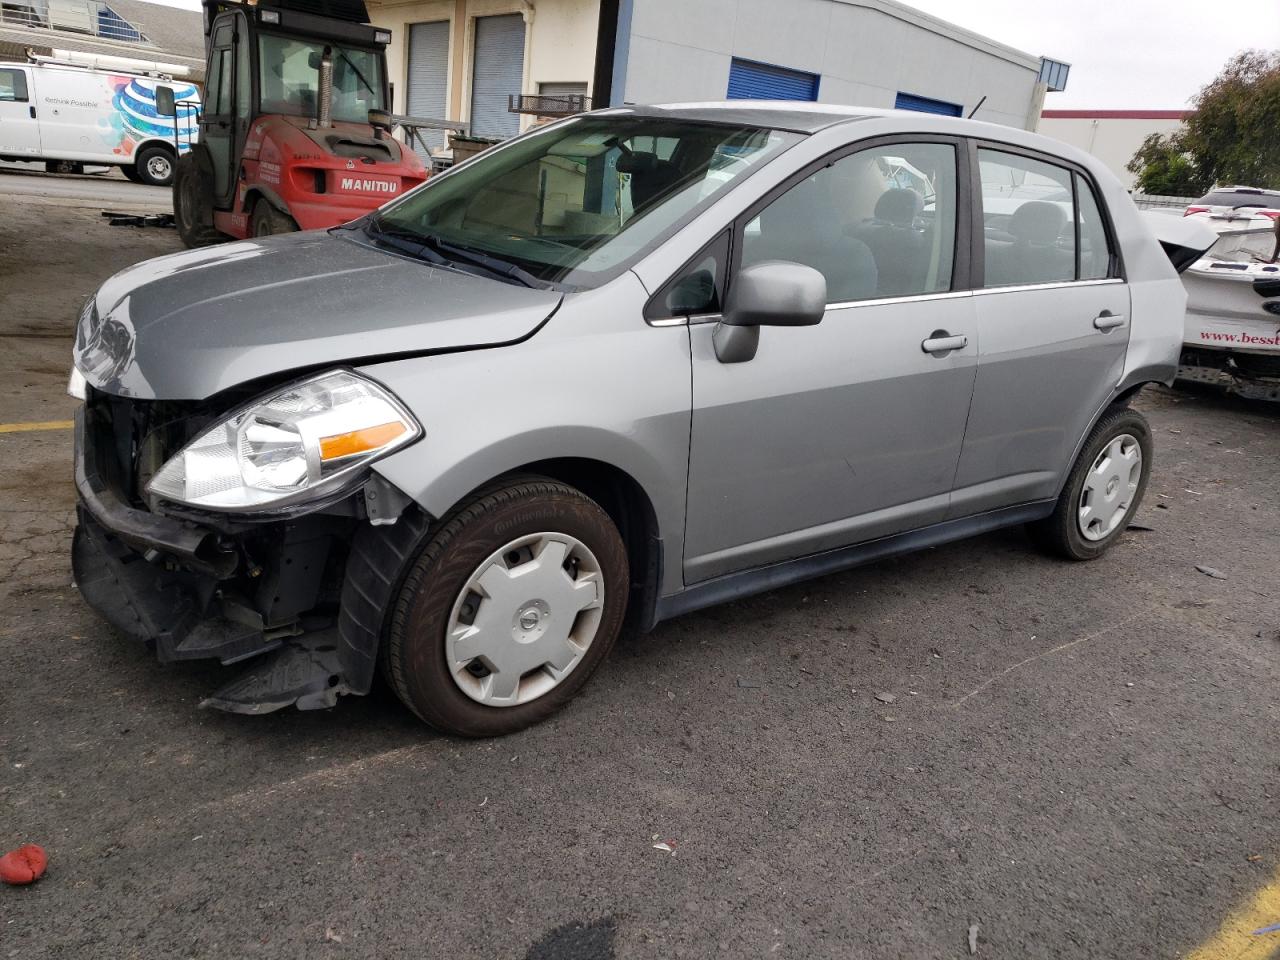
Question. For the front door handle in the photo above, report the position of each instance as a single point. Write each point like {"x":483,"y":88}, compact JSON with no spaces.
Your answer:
{"x":1107,"y":320}
{"x":942,"y":342}
{"x":33,"y":112}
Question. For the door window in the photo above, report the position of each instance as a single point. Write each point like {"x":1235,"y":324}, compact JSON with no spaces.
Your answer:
{"x":698,"y":288}
{"x":1027,"y":220}
{"x":13,"y":85}
{"x":218,"y":84}
{"x":244,"y":86}
{"x":877,"y":223}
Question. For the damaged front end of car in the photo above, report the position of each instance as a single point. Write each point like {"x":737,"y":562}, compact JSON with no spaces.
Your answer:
{"x":241,"y":529}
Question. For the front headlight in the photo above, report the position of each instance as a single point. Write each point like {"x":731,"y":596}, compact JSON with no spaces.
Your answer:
{"x":303,"y":443}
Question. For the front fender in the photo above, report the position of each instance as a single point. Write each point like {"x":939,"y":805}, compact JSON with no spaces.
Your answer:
{"x":580,"y":388}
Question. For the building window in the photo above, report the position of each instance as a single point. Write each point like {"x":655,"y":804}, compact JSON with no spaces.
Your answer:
{"x":762,"y":81}
{"x":909,"y":101}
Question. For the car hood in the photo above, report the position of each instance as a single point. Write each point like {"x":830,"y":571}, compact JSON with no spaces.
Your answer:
{"x":186,"y":326}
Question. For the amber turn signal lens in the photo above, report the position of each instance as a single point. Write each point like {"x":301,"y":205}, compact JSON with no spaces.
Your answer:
{"x":359,"y":441}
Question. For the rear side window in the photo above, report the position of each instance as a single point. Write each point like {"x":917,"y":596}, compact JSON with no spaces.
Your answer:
{"x":1096,"y":255}
{"x":13,"y":85}
{"x":1041,"y":223}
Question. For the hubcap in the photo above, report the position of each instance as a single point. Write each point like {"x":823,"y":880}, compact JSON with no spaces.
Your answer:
{"x":525,"y":619}
{"x":159,"y":167}
{"x":1109,"y":487}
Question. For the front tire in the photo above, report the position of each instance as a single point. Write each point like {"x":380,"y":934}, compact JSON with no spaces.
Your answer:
{"x":193,"y":200}
{"x":1103,"y":491}
{"x":508,"y":609}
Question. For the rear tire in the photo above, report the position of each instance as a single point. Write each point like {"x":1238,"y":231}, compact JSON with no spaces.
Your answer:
{"x":154,"y":166}
{"x":131,"y":173}
{"x":511,"y":537}
{"x":268,"y":221}
{"x":1084,"y":525}
{"x":193,"y":200}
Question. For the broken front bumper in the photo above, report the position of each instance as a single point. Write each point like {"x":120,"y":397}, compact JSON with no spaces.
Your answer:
{"x":266,"y":593}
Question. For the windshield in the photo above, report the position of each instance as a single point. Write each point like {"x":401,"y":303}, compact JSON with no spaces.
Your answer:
{"x":578,"y":202}
{"x":290,"y":72}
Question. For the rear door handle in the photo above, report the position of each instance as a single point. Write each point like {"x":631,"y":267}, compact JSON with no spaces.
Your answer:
{"x":943,"y":342}
{"x":1107,"y":320}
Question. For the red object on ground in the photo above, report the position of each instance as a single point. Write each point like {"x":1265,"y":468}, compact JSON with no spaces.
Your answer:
{"x":24,"y":865}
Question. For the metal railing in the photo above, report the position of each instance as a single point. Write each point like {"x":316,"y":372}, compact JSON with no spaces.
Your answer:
{"x":548,"y":105}
{"x":1151,"y":201}
{"x":89,"y":17}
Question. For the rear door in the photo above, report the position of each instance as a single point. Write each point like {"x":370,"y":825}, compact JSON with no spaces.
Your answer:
{"x":1053,"y":327}
{"x":19,"y":125}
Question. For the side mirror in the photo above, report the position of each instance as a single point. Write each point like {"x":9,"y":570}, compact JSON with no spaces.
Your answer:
{"x":775,"y":293}
{"x":380,"y":120}
{"x":165,"y":105}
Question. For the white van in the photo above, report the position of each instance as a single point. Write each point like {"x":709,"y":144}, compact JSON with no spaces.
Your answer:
{"x":68,"y":116}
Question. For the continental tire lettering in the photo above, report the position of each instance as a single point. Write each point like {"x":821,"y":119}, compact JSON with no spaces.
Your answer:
{"x":526,"y":516}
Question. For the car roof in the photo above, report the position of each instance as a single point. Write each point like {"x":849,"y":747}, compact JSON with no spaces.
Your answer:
{"x":796,"y":116}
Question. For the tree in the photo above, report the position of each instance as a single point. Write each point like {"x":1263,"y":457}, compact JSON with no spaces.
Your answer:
{"x":1164,"y":168}
{"x":1233,"y":136}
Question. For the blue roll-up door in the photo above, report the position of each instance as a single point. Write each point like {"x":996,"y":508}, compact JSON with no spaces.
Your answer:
{"x":909,"y":101}
{"x":498,"y":72}
{"x":763,"y":81}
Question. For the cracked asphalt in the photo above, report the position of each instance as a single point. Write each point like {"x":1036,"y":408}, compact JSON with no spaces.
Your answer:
{"x":1078,"y":758}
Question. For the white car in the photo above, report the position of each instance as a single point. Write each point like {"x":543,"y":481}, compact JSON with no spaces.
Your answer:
{"x":1233,"y":304}
{"x":68,"y":115}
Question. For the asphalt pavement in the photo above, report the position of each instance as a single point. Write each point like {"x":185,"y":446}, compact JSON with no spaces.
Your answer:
{"x":1076,"y":759}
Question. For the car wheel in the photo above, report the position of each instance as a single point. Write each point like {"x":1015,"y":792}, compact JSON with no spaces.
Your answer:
{"x":268,"y":221}
{"x":131,"y":173}
{"x":154,"y":166}
{"x":193,"y":200}
{"x":1103,"y":491}
{"x":508,"y":609}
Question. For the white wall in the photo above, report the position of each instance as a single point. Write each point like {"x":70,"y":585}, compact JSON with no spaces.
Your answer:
{"x":1112,"y":139}
{"x":865,"y":51}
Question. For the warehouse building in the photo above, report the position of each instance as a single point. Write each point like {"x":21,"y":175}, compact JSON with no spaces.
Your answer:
{"x":467,"y":59}
{"x":1113,"y":136}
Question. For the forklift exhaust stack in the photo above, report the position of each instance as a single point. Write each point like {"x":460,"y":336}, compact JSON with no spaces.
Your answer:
{"x":325,"y":105}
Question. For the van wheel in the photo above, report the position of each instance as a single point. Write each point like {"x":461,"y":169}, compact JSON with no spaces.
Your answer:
{"x":193,"y":200}
{"x":154,"y":166}
{"x":268,"y":221}
{"x":131,"y":173}
{"x":508,"y":609}
{"x":1103,"y":491}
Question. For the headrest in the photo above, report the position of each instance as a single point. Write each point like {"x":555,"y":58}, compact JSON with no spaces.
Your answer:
{"x":899,"y":206}
{"x":1038,"y":222}
{"x":641,"y":163}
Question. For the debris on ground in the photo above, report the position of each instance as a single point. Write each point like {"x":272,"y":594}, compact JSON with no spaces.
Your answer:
{"x":331,"y":936}
{"x":1254,"y":858}
{"x":1211,"y":572}
{"x":886,"y":697}
{"x":138,"y":219}
{"x":1141,"y":527}
{"x":668,"y":845}
{"x":1270,"y":928}
{"x":749,"y":684}
{"x":973,"y":939}
{"x":24,"y":865}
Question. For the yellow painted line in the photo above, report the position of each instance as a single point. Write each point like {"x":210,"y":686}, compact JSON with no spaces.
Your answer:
{"x":38,"y":425}
{"x":1240,"y":936}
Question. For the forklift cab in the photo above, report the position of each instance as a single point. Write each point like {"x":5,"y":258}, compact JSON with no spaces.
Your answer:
{"x":266,"y":61}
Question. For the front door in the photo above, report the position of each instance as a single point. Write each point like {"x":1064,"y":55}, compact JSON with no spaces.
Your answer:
{"x":852,"y":429}
{"x":217,"y":123}
{"x":1053,"y":325}
{"x":19,"y":126}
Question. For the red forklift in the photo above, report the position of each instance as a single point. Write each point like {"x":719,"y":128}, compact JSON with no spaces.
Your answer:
{"x":295,"y":133}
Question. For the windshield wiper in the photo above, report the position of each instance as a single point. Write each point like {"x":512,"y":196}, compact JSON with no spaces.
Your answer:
{"x":368,"y":86}
{"x":495,"y":265}
{"x":405,"y":241}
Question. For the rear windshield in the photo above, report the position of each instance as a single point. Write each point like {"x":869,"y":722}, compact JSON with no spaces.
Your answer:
{"x":577,"y":203}
{"x":1236,"y":198}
